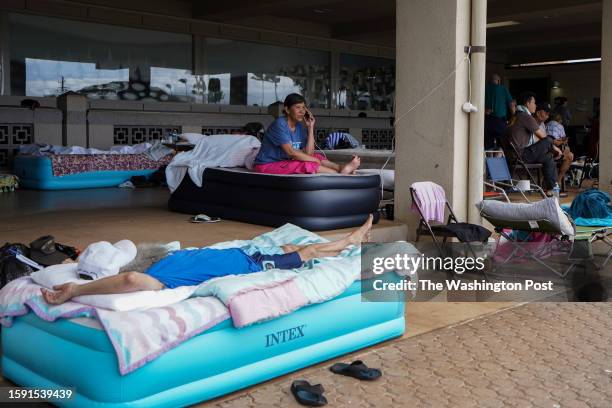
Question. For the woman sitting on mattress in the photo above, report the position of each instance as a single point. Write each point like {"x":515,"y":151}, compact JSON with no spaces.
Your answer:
{"x":288,"y":144}
{"x":103,"y":261}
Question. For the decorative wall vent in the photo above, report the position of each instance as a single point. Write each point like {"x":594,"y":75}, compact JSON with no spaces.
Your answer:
{"x":11,"y":136}
{"x":130,"y":135}
{"x":221,"y":130}
{"x":378,"y":139}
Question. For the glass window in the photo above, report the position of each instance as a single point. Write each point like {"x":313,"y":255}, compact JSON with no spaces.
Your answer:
{"x":260,"y":74}
{"x":365,"y":83}
{"x":50,"y":56}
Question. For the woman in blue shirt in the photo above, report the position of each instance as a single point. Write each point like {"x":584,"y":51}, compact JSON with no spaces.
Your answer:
{"x":288,"y":144}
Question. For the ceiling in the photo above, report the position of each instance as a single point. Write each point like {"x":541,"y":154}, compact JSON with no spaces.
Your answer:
{"x":548,"y":29}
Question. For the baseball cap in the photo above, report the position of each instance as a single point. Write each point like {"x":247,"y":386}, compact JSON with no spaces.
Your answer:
{"x":102,"y":259}
{"x":44,"y":252}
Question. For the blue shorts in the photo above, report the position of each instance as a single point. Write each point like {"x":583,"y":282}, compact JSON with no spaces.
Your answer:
{"x":281,"y":261}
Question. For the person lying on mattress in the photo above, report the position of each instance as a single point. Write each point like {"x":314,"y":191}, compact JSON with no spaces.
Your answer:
{"x":184,"y":267}
{"x":288,"y":144}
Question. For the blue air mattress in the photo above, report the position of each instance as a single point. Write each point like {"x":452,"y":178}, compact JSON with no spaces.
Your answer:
{"x":219,"y":361}
{"x":36,"y":172}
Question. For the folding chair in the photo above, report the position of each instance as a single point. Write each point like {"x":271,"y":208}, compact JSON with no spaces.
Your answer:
{"x":436,"y":231}
{"x":512,"y":154}
{"x":581,"y":239}
{"x":499,"y":175}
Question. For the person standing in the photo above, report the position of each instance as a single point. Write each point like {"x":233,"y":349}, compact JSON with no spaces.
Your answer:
{"x":498,"y":102}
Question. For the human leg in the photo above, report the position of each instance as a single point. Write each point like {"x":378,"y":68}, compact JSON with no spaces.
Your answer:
{"x":333,"y":248}
{"x":122,"y":283}
{"x":540,"y":152}
{"x":568,"y":158}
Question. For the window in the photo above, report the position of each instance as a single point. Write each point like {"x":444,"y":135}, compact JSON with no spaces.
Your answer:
{"x":50,"y":56}
{"x":365,"y":83}
{"x":259,"y":74}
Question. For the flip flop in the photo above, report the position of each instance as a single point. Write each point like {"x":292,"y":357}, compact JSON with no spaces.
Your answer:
{"x":203,"y":218}
{"x":307,"y":394}
{"x":357,"y":369}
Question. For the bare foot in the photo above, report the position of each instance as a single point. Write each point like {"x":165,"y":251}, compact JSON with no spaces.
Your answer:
{"x":351,"y":166}
{"x":358,"y":236}
{"x":60,"y":294}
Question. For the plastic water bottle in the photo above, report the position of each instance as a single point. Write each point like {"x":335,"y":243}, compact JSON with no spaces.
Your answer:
{"x":556,"y":191}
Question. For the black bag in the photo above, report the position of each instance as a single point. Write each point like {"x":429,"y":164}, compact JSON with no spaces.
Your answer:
{"x":10,"y":267}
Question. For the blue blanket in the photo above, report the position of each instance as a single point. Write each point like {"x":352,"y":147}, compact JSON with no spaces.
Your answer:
{"x":591,"y":209}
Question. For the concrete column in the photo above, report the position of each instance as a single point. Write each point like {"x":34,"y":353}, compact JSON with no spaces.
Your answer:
{"x":74,"y":121}
{"x":431,"y":129}
{"x":477,"y":77}
{"x":5,"y":56}
{"x":605,"y":131}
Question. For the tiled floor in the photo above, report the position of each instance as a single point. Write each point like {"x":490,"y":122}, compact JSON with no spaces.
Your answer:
{"x":547,"y":355}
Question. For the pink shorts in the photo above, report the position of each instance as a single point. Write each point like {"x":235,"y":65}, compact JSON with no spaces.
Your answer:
{"x":290,"y":166}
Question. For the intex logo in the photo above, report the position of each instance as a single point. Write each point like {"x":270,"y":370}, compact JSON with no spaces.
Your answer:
{"x":284,"y":336}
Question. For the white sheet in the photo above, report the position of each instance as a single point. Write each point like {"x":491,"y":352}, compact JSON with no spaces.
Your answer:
{"x":62,"y":273}
{"x":211,"y":151}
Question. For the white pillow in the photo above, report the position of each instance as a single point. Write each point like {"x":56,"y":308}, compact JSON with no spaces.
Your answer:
{"x":547,"y":209}
{"x":57,"y":274}
{"x":192,"y":138}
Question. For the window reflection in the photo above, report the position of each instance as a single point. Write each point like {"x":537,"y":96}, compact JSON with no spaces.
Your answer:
{"x":50,"y":56}
{"x":261,"y":74}
{"x":49,"y":78}
{"x":365,"y":83}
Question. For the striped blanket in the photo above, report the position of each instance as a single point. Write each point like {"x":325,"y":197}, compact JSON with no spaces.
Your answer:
{"x":137,"y":336}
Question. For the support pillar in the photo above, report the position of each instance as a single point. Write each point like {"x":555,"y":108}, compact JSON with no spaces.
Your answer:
{"x":74,"y":121}
{"x":431,"y":138}
{"x":605,"y":130}
{"x":478,"y":67}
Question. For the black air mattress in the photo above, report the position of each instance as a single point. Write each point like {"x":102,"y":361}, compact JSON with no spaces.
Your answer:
{"x":314,"y":202}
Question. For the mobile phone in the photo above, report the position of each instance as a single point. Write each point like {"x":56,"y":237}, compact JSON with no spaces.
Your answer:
{"x":307,"y":115}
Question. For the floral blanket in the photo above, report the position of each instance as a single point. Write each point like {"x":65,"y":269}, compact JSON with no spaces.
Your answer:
{"x":64,"y":164}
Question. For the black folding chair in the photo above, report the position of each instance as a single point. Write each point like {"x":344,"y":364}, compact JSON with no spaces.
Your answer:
{"x":437,"y":231}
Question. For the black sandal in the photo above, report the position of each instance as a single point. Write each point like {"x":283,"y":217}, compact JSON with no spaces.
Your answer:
{"x":307,"y":394}
{"x":357,"y":369}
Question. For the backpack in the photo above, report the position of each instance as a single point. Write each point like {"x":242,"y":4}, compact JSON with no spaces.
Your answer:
{"x":10,"y":267}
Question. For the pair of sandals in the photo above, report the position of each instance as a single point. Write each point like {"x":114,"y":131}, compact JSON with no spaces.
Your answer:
{"x":312,"y":395}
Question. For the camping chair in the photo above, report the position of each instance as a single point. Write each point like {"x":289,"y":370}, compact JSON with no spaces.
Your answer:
{"x":499,"y":179}
{"x":516,"y":162}
{"x":582,"y":239}
{"x":435,"y":231}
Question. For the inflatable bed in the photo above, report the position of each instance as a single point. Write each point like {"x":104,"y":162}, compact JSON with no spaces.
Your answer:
{"x":66,"y":172}
{"x":86,"y":350}
{"x":315,"y":202}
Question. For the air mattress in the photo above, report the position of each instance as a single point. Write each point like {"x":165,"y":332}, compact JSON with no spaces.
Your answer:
{"x":314,"y":202}
{"x":219,"y":361}
{"x":36,"y":172}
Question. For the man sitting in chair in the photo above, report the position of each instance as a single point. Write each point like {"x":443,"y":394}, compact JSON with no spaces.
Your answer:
{"x":530,"y":140}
